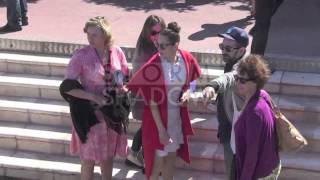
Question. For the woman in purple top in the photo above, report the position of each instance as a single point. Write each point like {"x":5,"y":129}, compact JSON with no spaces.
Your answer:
{"x":257,"y":155}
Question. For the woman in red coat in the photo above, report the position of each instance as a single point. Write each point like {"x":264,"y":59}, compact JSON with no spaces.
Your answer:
{"x":164,"y":82}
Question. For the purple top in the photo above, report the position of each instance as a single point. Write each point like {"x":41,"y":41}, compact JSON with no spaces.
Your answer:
{"x":256,"y":139}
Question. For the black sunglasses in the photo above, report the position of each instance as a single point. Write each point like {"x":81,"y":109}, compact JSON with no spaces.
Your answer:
{"x":153,"y":33}
{"x":242,"y":80}
{"x":162,"y":46}
{"x":227,"y":48}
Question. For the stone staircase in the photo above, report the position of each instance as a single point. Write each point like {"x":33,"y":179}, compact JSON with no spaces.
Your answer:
{"x":35,"y":124}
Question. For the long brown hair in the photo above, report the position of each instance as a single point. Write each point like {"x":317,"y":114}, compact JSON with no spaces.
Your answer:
{"x":144,"y":43}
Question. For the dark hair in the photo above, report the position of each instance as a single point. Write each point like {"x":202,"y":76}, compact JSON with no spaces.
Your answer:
{"x":256,"y":68}
{"x":144,"y":42}
{"x":172,"y":32}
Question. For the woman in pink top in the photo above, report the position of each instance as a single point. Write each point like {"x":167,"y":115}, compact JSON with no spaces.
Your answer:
{"x":88,"y":65}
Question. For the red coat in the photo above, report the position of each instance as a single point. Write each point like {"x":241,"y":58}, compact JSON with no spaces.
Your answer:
{"x":149,"y":83}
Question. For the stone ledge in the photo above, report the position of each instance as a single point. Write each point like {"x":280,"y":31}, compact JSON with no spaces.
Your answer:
{"x":287,"y":62}
{"x":283,"y":62}
{"x":67,"y":49}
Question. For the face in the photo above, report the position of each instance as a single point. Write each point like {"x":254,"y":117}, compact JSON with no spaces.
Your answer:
{"x":165,"y":48}
{"x":244,"y":84}
{"x":96,"y":37}
{"x":154,"y":33}
{"x":230,"y":50}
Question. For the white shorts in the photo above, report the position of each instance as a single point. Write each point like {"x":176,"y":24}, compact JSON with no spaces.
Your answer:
{"x":172,"y":147}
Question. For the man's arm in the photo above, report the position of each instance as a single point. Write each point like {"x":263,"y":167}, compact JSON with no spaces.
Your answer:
{"x":217,"y":85}
{"x":224,"y":81}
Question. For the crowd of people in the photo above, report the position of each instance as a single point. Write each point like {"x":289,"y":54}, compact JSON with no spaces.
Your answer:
{"x":160,"y":84}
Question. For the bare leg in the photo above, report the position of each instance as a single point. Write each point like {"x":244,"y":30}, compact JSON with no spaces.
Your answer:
{"x":169,"y":166}
{"x":106,"y":169}
{"x":87,"y":167}
{"x":157,"y":167}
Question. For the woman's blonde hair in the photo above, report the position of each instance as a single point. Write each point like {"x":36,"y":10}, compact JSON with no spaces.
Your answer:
{"x":102,"y":23}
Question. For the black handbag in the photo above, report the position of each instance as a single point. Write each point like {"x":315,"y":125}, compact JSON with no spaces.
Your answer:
{"x":117,"y":109}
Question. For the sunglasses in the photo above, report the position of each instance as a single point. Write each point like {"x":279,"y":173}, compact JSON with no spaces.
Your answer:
{"x":243,"y":80}
{"x":162,"y":46}
{"x":153,"y":33}
{"x":227,"y":48}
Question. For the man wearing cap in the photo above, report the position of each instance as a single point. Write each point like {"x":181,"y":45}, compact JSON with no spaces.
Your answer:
{"x":233,"y":47}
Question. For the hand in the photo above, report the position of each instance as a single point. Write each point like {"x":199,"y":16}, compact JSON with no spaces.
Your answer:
{"x":208,"y":95}
{"x":99,"y":100}
{"x":164,"y":137}
{"x":183,"y":101}
{"x":122,"y":89}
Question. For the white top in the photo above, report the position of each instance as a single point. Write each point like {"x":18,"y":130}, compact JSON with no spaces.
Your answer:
{"x":236,"y":115}
{"x":175,"y":77}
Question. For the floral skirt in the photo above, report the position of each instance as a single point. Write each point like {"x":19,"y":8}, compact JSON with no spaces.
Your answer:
{"x":102,"y":143}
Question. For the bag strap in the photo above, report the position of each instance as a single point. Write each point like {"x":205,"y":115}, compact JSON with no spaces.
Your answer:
{"x":273,"y":106}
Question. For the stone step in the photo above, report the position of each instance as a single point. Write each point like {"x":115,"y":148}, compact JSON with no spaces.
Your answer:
{"x":298,"y":166}
{"x":56,"y":66}
{"x":47,"y":87}
{"x":38,"y":166}
{"x":55,"y":140}
{"x":312,"y":133}
{"x":296,"y":108}
{"x":280,"y":82}
{"x":210,"y":155}
{"x":36,"y":111}
{"x":300,"y":110}
{"x":33,"y":86}
{"x":33,"y":64}
{"x":204,"y":125}
{"x":56,"y":113}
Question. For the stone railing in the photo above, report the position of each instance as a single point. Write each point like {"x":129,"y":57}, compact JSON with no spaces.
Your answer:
{"x":206,"y":59}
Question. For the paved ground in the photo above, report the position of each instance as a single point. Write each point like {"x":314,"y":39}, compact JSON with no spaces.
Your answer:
{"x":294,"y":29}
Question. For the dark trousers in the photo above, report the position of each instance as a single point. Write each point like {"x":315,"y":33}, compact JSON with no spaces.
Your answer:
{"x":229,"y":159}
{"x":137,"y":112}
{"x":265,"y":9}
{"x":137,"y":141}
{"x":16,"y":10}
